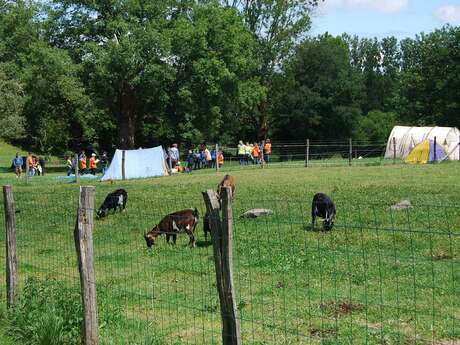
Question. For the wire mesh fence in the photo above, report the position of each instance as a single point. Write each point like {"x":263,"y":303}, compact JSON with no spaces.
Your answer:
{"x":383,"y":275}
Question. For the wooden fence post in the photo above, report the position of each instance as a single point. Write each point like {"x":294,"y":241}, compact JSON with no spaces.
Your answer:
{"x":394,"y":150}
{"x":77,"y":164}
{"x":350,"y":151}
{"x":307,"y":153}
{"x":123,"y":171}
{"x":12,"y":275}
{"x":222,"y":240}
{"x":83,"y":235}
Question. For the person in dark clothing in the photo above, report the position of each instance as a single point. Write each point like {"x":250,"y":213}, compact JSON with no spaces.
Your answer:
{"x":190,"y":160}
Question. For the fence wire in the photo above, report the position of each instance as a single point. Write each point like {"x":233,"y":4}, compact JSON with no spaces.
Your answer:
{"x":381,"y":276}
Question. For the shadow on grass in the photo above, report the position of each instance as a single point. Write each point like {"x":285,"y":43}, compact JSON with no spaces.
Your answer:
{"x":319,"y":229}
{"x":202,"y":244}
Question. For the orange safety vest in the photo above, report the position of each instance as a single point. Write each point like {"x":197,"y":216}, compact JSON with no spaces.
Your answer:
{"x":92,"y":163}
{"x":220,"y":158}
{"x":83,"y":163}
{"x":268,"y":148}
{"x":256,"y":151}
{"x":31,"y":161}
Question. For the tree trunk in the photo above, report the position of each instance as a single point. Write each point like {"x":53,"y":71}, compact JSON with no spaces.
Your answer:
{"x":127,"y":118}
{"x":263,"y":121}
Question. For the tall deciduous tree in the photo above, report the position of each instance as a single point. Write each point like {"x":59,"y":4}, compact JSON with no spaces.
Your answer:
{"x":277,"y":25}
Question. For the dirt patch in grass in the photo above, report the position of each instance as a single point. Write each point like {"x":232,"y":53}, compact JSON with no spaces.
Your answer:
{"x":326,"y":332}
{"x":341,"y":308}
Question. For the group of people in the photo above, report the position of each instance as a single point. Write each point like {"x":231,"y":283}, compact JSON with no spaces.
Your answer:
{"x":256,"y":153}
{"x":86,"y":166}
{"x":36,"y":165}
{"x":204,"y":159}
{"x":201,"y":158}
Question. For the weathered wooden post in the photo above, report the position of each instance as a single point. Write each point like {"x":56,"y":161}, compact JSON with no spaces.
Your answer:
{"x":222,"y":240}
{"x":77,"y":165}
{"x":12,"y":275}
{"x":123,"y":170}
{"x":307,"y":153}
{"x":262,"y":153}
{"x":350,"y":151}
{"x":83,"y":235}
{"x":434,"y":150}
{"x":217,"y":158}
{"x":394,"y":150}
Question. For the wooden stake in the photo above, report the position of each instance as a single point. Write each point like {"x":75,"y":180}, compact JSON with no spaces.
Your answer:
{"x":307,"y":153}
{"x":222,"y":240}
{"x":12,"y":275}
{"x":83,"y":235}
{"x":77,"y":165}
{"x":27,"y":169}
{"x":217,"y":160}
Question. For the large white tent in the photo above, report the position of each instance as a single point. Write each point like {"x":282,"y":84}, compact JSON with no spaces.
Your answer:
{"x":137,"y":164}
{"x":406,"y":138}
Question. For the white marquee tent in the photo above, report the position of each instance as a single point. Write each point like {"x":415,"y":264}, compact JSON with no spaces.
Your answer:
{"x":406,"y":138}
{"x":137,"y":164}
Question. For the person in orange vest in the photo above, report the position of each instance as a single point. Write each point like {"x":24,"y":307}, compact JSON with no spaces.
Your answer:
{"x":30,"y":163}
{"x":220,"y":159}
{"x":256,"y":153}
{"x":267,"y":150}
{"x":82,"y":162}
{"x":93,"y":164}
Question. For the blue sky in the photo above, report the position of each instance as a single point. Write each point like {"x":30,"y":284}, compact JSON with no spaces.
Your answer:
{"x":380,"y":18}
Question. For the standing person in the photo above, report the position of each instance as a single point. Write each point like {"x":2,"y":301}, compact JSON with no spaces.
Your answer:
{"x":208,"y":157}
{"x":82,"y":162}
{"x":18,"y":162}
{"x":213,"y":157}
{"x":256,"y":153}
{"x":241,"y":152}
{"x":37,"y":166}
{"x":190,"y":161}
{"x":69,"y":165}
{"x":248,"y":151}
{"x":203,"y":159}
{"x":196,"y":160}
{"x":93,"y":164}
{"x":220,"y":158}
{"x":30,"y":162}
{"x":41,"y":162}
{"x":267,"y":150}
{"x":104,"y":162}
{"x":174,"y":155}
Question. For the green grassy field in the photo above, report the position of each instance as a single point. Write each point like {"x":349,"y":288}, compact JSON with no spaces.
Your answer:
{"x":380,"y":277}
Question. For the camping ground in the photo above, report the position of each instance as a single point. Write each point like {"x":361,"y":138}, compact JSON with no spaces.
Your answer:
{"x":380,"y":277}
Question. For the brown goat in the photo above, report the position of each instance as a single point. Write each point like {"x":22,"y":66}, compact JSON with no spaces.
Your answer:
{"x":174,"y":223}
{"x":227,"y":181}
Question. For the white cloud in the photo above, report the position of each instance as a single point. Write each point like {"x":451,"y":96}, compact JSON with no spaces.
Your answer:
{"x":448,"y":13}
{"x":385,"y":6}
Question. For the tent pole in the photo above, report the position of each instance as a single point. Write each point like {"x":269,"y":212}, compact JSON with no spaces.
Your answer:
{"x":434,"y":150}
{"x":394,"y":150}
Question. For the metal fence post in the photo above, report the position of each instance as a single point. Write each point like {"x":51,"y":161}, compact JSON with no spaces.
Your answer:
{"x":77,"y":163}
{"x":216,"y":159}
{"x":350,"y":152}
{"x":123,"y":170}
{"x":27,"y":169}
{"x":12,"y":275}
{"x":222,"y":240}
{"x":307,"y":153}
{"x":83,"y":235}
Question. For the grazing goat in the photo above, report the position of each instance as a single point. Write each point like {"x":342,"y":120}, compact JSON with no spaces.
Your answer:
{"x":114,"y":200}
{"x":323,"y":207}
{"x":227,"y":181}
{"x":174,"y":223}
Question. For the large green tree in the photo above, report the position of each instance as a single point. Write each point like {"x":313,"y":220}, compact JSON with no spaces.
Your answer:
{"x":319,"y":93}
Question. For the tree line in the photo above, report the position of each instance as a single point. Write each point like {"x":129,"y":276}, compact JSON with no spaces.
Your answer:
{"x":129,"y":73}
